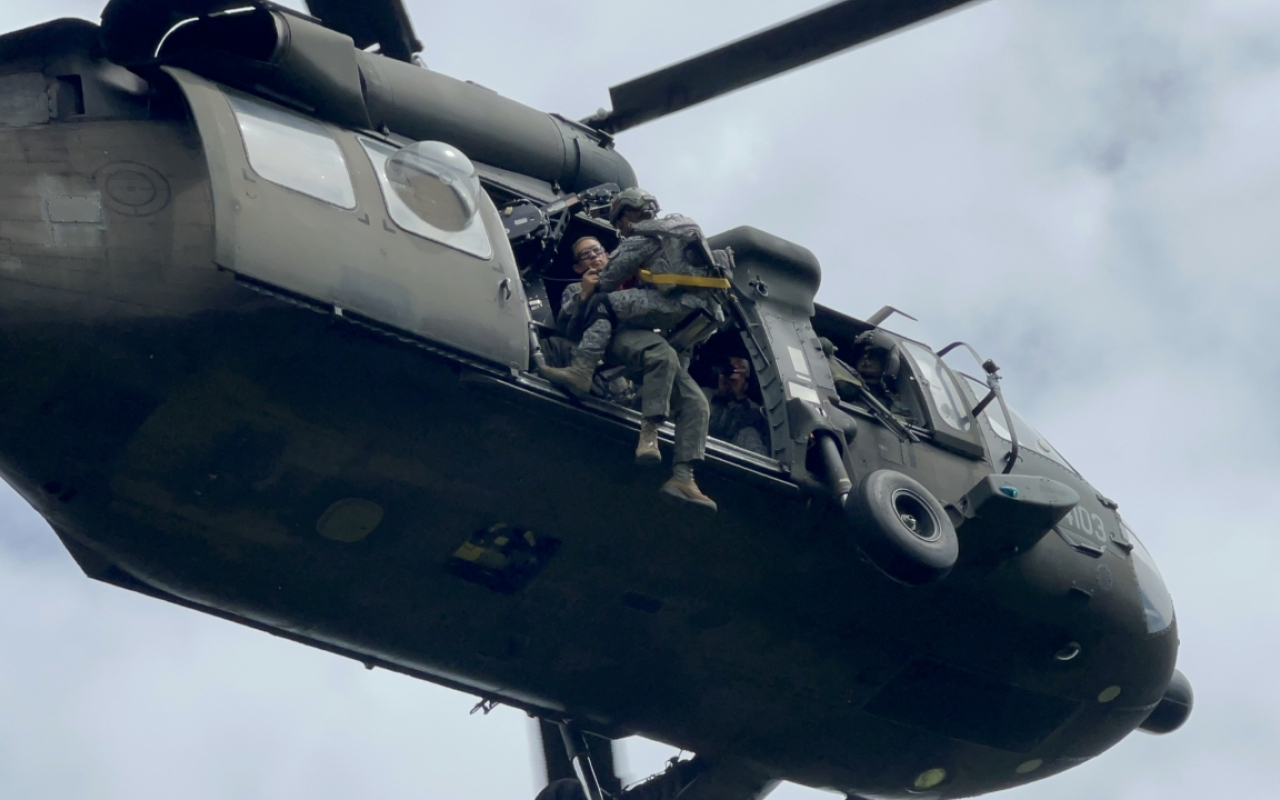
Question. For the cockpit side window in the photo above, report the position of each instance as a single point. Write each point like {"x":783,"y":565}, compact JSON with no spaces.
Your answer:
{"x":949,"y":407}
{"x":432,"y":190}
{"x":293,"y":151}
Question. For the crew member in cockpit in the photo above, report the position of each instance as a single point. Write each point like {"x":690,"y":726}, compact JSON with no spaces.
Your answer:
{"x":875,"y":373}
{"x":671,"y":288}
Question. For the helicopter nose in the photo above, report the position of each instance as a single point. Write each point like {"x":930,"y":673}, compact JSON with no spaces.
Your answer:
{"x":1174,"y":708}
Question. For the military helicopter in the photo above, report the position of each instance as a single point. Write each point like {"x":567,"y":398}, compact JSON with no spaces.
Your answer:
{"x":248,"y":372}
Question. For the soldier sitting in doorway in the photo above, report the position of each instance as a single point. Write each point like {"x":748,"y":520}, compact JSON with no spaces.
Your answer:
{"x":671,"y":288}
{"x":589,"y":259}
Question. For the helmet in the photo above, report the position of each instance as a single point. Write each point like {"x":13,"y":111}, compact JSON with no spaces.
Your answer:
{"x":633,"y":198}
{"x":879,"y":345}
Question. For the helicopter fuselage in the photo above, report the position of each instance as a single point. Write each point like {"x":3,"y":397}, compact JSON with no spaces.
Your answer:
{"x":338,"y":452}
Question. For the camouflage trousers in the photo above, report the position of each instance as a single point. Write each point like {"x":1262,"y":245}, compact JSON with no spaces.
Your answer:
{"x":666,"y":389}
{"x":643,"y":309}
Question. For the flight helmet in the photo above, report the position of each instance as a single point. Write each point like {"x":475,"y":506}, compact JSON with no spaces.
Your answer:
{"x":633,"y":198}
{"x":882,"y":347}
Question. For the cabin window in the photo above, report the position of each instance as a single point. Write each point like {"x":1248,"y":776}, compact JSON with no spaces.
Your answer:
{"x":432,"y":190}
{"x":293,"y":151}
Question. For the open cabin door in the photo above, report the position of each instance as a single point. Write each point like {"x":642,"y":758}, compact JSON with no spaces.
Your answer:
{"x":312,"y":209}
{"x":777,"y":281}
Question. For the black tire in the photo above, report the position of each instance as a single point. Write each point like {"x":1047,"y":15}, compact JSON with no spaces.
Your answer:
{"x":902,"y":529}
{"x":563,"y":789}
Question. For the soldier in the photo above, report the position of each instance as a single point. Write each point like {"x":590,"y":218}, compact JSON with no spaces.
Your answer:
{"x":655,"y":251}
{"x":589,"y":259}
{"x":735,"y":417}
{"x":875,"y":372}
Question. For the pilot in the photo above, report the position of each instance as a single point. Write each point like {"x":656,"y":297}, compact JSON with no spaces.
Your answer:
{"x":671,"y":288}
{"x":735,"y":417}
{"x":877,"y":366}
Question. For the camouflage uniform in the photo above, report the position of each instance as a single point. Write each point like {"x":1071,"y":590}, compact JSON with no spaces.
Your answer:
{"x":571,"y":304}
{"x":657,"y":245}
{"x":665,"y":387}
{"x":739,"y":422}
{"x":641,"y":316}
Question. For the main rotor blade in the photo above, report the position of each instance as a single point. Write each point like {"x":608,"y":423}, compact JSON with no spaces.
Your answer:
{"x":385,"y":23}
{"x":809,"y":37}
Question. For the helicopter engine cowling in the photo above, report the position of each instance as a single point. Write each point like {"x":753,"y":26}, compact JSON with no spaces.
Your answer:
{"x":290,"y":58}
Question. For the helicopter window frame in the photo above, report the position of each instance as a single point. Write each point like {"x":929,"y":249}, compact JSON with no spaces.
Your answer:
{"x":936,"y":390}
{"x":472,"y":240}
{"x":292,"y":151}
{"x":1030,"y":440}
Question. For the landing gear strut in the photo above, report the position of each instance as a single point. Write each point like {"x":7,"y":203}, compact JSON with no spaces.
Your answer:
{"x":580,"y":767}
{"x":575,"y":757}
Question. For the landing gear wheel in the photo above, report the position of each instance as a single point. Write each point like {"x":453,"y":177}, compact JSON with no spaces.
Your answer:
{"x":902,"y":529}
{"x":563,"y":789}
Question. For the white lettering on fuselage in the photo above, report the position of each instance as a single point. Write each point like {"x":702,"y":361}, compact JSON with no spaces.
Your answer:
{"x":1087,"y":524}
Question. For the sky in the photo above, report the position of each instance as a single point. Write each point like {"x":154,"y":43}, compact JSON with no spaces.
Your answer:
{"x":1088,"y":192}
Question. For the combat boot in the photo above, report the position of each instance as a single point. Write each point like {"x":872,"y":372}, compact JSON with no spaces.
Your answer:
{"x":687,"y":493}
{"x":647,"y":452}
{"x":576,"y":377}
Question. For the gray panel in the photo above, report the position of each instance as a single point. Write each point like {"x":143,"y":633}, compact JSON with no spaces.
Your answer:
{"x":357,"y":259}
{"x":23,"y":100}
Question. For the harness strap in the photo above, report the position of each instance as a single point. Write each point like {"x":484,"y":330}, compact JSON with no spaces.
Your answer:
{"x":669,"y":279}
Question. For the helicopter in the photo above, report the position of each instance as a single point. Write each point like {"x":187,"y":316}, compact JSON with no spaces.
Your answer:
{"x":169,"y":369}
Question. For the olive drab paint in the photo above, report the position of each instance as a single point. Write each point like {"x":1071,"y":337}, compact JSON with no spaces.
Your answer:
{"x":271,"y":306}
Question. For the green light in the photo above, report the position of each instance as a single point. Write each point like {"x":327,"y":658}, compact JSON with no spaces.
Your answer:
{"x":1108,"y":694}
{"x":930,"y":778}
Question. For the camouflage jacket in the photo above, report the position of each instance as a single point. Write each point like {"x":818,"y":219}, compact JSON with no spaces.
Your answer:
{"x":658,"y":245}
{"x":570,"y":304}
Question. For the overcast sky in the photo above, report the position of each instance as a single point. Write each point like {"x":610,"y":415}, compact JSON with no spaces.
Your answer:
{"x":1086,"y":190}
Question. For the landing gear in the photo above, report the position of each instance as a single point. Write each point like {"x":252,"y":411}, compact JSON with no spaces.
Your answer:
{"x":580,"y":767}
{"x":575,"y":758}
{"x":563,"y":789}
{"x":902,"y":529}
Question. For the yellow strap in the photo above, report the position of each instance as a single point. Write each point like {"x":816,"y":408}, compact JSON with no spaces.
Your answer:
{"x":683,"y":280}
